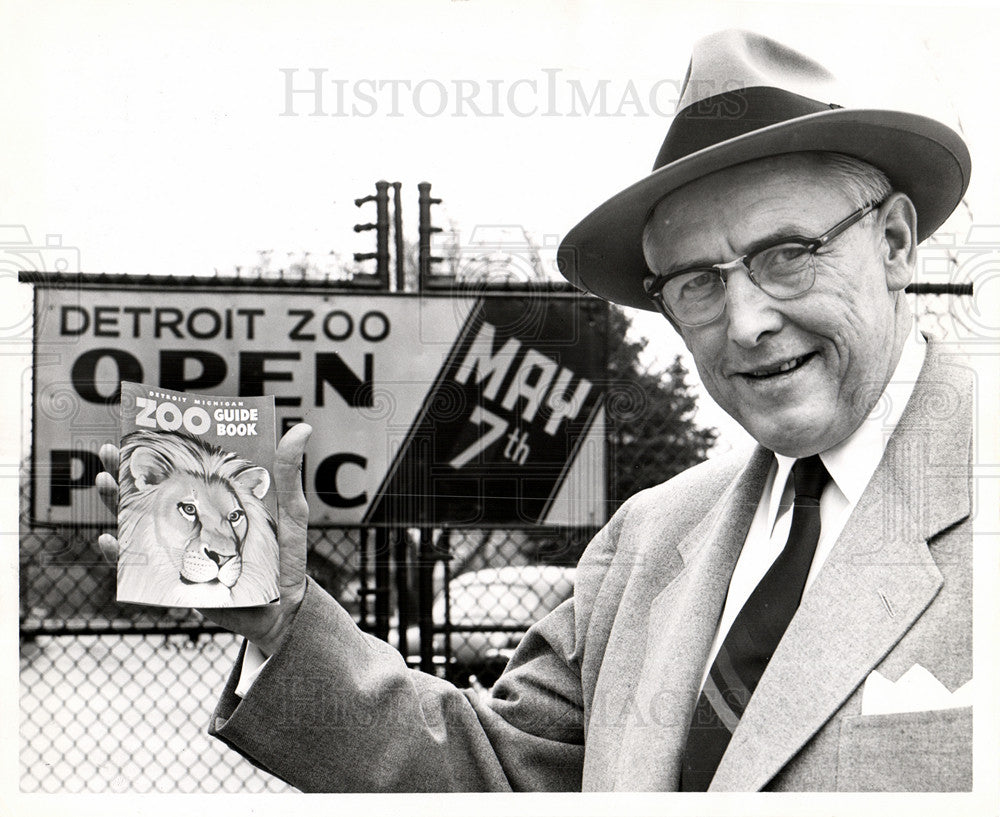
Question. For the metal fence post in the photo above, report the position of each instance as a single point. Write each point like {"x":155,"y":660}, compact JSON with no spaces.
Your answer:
{"x":382,"y":584}
{"x":401,"y":559}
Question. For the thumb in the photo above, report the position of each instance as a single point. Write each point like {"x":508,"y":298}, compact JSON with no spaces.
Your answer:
{"x":292,"y":508}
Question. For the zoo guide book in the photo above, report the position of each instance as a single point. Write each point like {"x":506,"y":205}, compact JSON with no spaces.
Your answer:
{"x":196,"y":499}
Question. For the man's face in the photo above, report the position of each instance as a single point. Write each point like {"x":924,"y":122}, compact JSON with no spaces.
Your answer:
{"x":841,"y":339}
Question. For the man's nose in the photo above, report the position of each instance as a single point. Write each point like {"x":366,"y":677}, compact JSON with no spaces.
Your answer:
{"x":750,"y":312}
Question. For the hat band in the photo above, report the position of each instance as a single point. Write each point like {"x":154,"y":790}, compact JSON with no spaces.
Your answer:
{"x":724,"y":116}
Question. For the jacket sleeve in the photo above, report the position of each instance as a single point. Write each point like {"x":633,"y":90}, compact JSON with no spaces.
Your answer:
{"x":338,"y":710}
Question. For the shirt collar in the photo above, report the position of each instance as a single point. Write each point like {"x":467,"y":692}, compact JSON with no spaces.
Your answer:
{"x":852,"y":461}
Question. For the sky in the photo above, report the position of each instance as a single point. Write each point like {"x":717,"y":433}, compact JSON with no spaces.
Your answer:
{"x":160,"y":137}
{"x":183,"y":138}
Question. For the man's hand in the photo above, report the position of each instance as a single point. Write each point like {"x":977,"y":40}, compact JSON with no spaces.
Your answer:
{"x":267,"y":627}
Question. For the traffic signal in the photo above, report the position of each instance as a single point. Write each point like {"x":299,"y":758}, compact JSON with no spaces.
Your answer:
{"x":397,"y":231}
{"x":426,"y":230}
{"x":381,"y":227}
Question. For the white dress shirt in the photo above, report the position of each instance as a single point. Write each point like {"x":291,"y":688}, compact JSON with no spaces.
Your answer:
{"x":850,"y":464}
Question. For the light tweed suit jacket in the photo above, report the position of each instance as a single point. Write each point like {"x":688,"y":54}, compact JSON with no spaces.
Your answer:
{"x":600,"y":693}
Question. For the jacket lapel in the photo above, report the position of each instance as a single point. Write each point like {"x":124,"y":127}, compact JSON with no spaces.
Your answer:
{"x":682,"y":621}
{"x":877,"y":581}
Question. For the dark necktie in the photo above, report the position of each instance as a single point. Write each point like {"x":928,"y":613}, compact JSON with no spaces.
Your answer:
{"x":755,"y":634}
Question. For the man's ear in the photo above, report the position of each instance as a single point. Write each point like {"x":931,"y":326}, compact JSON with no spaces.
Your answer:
{"x":898,"y":220}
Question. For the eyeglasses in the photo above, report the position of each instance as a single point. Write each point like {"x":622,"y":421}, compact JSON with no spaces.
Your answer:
{"x":785,"y":269}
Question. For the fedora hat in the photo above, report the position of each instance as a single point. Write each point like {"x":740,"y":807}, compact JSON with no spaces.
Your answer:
{"x":748,"y":97}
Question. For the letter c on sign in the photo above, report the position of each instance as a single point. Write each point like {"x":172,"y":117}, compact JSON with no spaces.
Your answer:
{"x":326,"y":480}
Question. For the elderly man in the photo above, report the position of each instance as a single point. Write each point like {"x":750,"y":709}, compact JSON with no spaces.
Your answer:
{"x":798,"y":618}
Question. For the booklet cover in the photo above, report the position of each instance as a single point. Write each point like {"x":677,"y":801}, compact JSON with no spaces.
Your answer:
{"x":196,"y":500}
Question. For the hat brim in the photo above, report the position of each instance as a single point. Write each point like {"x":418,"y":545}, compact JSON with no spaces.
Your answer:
{"x":922,"y":158}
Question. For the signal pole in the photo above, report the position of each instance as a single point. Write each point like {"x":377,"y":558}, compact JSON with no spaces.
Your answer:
{"x":426,"y":229}
{"x":381,"y":227}
{"x":397,"y":226}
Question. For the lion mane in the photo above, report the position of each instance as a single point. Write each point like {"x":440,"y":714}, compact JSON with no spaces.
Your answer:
{"x":193,"y":529}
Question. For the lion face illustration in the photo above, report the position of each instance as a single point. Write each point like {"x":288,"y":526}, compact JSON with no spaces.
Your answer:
{"x":193,"y":529}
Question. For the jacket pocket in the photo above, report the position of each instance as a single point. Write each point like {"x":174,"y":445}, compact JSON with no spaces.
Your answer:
{"x":906,"y":751}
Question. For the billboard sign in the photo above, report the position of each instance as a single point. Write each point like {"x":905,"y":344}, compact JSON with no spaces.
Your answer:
{"x":458,"y":408}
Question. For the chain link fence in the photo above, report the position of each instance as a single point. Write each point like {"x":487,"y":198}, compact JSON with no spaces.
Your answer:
{"x":116,"y":697}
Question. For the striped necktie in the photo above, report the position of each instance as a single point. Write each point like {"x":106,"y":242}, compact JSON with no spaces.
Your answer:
{"x":755,"y":634}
